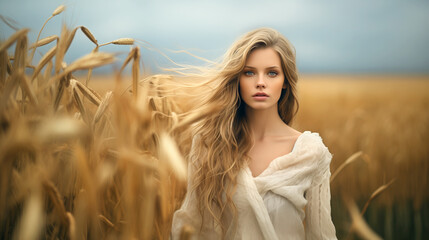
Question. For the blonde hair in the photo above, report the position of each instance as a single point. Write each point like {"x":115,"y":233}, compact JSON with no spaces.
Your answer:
{"x":220,"y":150}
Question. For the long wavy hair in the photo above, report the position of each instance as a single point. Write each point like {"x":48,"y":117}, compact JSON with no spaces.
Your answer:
{"x":223,"y":138}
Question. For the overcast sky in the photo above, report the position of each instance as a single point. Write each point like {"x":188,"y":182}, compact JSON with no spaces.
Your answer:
{"x":333,"y":36}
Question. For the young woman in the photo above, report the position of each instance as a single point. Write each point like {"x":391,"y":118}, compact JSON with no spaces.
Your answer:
{"x":251,"y":175}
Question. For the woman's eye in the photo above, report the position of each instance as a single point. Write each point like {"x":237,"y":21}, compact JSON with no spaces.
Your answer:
{"x":272,"y":73}
{"x":249,"y":73}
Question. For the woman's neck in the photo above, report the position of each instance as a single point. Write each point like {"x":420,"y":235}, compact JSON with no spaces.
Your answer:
{"x":264,"y":123}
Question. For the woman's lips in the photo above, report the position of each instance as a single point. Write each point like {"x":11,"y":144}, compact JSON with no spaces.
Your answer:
{"x":260,"y":96}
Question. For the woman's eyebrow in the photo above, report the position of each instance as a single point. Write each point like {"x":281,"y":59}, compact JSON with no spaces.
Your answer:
{"x":249,"y":67}
{"x":273,"y":67}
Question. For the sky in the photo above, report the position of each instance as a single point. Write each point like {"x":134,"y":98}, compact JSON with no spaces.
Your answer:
{"x":331,"y":36}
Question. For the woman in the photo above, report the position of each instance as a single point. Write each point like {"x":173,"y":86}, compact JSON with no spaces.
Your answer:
{"x":251,"y":175}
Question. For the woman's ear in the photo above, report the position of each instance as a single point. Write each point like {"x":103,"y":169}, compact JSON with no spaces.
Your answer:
{"x":284,"y":85}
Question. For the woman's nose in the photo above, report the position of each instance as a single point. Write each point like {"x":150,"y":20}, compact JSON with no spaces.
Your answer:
{"x":261,"y":82}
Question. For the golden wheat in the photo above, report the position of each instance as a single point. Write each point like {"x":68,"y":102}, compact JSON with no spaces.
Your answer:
{"x":103,"y":190}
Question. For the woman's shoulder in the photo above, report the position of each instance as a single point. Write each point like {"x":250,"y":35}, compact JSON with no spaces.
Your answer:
{"x":305,"y":140}
{"x":313,"y":139}
{"x":311,"y":144}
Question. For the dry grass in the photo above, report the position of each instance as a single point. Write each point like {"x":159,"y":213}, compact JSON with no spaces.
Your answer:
{"x":78,"y":165}
{"x":90,"y":157}
{"x":385,"y":117}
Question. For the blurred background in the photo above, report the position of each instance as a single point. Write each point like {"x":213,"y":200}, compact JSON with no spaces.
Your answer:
{"x":364,"y":81}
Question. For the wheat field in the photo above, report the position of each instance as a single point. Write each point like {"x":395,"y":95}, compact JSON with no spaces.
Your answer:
{"x":102,"y":157}
{"x":384,"y":117}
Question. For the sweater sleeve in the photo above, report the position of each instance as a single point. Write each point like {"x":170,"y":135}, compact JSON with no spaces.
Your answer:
{"x":318,"y":222}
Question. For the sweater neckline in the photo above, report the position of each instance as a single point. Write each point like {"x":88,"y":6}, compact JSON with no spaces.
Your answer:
{"x":270,"y":165}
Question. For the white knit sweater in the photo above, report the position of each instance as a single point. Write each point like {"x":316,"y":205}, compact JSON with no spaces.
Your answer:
{"x":288,"y":200}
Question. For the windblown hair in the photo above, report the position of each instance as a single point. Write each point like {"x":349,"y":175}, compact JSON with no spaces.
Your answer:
{"x":223,"y":137}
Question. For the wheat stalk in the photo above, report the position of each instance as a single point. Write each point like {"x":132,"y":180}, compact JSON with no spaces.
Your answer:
{"x":55,"y":198}
{"x":102,"y":107}
{"x":89,"y":75}
{"x":89,"y":35}
{"x":31,"y":222}
{"x":88,"y":61}
{"x":92,"y":95}
{"x":13,"y":38}
{"x":44,"y":41}
{"x":169,"y":152}
{"x":72,"y":226}
{"x":123,"y":41}
{"x":120,"y":41}
{"x":349,"y":160}
{"x":45,"y":77}
{"x":377,"y":192}
{"x":57,"y":11}
{"x":78,"y":101}
{"x":4,"y":60}
{"x":25,"y":85}
{"x":9,"y":89}
{"x":136,"y":67}
{"x":91,"y":60}
{"x":120,"y":158}
{"x":59,"y":93}
{"x":43,"y":61}
{"x":107,"y":221}
{"x":359,"y":225}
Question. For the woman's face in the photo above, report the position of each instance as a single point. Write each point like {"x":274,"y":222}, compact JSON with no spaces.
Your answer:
{"x":262,"y":79}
